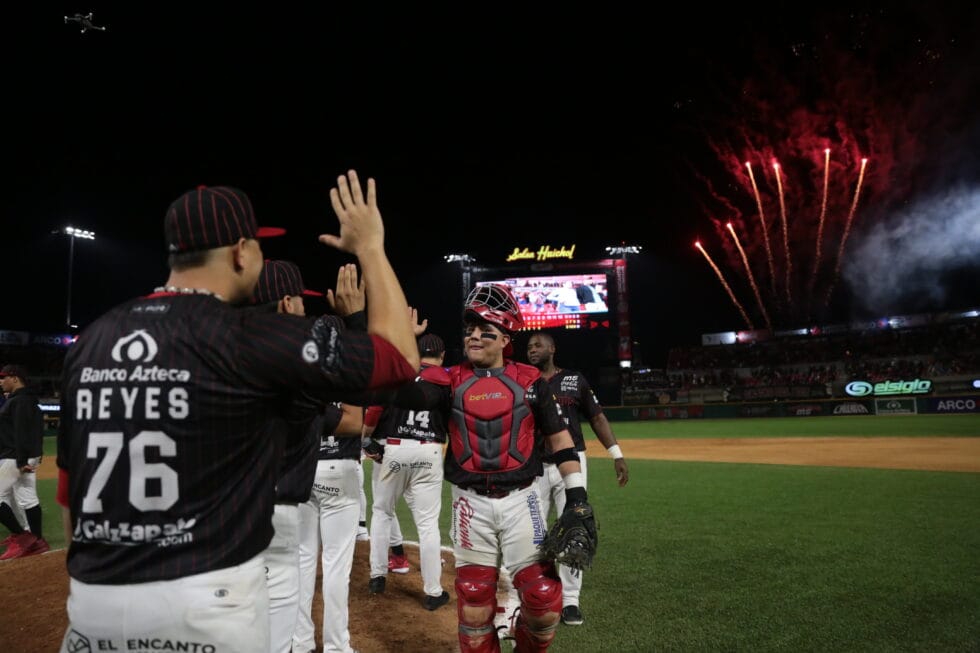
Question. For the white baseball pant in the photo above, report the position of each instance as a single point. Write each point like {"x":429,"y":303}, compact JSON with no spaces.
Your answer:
{"x":330,"y":519}
{"x":222,"y":611}
{"x":494,"y":532}
{"x":412,"y":469}
{"x":282,"y":574}
{"x":17,"y":491}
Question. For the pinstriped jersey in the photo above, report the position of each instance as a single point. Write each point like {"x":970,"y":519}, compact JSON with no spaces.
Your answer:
{"x":173,"y":417}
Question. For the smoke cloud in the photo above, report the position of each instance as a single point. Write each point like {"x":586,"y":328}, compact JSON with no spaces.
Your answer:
{"x":905,"y":260}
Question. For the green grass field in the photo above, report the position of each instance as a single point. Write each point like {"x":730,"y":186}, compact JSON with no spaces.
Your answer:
{"x":740,"y":557}
{"x":787,"y":427}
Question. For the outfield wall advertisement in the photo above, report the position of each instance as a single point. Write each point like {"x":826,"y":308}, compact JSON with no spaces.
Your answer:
{"x":969,"y":404}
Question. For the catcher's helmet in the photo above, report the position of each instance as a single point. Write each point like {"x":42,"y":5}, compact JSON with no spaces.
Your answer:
{"x":494,"y":303}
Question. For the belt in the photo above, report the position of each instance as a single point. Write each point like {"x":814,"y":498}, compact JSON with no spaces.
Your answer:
{"x":498,"y":492}
{"x":409,"y":441}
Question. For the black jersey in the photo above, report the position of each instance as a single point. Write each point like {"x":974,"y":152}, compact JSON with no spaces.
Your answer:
{"x":334,"y":447}
{"x":299,"y":460}
{"x":577,"y":400}
{"x":409,"y":423}
{"x":172,"y":420}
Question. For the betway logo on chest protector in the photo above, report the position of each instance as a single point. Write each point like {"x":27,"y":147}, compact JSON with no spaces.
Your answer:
{"x":488,"y":398}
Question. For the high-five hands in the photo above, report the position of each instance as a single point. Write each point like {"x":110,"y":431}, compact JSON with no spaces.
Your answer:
{"x":361,"y":228}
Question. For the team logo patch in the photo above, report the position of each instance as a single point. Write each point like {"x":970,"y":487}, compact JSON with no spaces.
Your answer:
{"x":77,"y":642}
{"x":395,"y":466}
{"x":138,"y":346}
{"x":311,"y":353}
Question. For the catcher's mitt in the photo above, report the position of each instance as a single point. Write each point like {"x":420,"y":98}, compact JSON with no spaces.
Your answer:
{"x":573,"y":538}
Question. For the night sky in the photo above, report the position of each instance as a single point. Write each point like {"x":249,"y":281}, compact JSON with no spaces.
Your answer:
{"x":490,"y":127}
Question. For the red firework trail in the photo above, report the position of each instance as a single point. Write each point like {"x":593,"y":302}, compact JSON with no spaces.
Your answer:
{"x":782,"y":213}
{"x":823,"y":214}
{"x":847,"y":227}
{"x":728,"y":288}
{"x":748,"y":270}
{"x":765,"y":229}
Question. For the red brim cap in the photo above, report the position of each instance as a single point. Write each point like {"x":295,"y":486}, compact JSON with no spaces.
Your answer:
{"x":312,"y":293}
{"x":270,"y":232}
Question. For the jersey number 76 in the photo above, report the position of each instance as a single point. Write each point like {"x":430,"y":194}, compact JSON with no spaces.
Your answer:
{"x":140,"y":470}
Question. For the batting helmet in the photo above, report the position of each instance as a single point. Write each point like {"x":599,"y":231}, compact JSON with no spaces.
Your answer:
{"x":494,"y":303}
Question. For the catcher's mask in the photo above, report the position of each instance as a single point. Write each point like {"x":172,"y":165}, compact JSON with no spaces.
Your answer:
{"x":494,"y":303}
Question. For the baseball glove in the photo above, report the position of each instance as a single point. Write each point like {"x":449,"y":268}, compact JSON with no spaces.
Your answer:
{"x":573,"y":538}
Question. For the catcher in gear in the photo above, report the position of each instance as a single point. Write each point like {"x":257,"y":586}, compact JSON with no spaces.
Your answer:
{"x":501,"y":415}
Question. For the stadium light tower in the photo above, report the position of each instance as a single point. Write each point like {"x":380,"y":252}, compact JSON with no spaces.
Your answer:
{"x":73,"y":233}
{"x":465,"y":266}
{"x":622,"y":252}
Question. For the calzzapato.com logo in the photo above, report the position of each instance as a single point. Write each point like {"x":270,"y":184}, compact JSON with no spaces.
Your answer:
{"x":138,"y":347}
{"x":859,"y":388}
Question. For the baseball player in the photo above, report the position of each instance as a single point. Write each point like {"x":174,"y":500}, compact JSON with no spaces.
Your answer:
{"x":281,"y":288}
{"x":410,"y":465}
{"x":500,"y":410}
{"x":328,"y":519}
{"x":328,"y":523}
{"x":21,"y":446}
{"x":172,"y":423}
{"x":576,"y":400}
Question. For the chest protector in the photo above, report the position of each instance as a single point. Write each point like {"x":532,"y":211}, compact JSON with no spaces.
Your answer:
{"x":492,"y":427}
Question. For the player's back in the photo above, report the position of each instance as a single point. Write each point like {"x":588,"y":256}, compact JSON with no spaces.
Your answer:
{"x":170,"y":441}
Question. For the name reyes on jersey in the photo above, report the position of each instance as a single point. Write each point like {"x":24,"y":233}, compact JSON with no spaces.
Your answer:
{"x":97,"y":404}
{"x":141,"y":402}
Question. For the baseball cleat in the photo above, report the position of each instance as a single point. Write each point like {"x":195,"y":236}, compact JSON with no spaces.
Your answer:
{"x":20,"y":546}
{"x":398,"y":564}
{"x":571,"y":616}
{"x":363,"y":535}
{"x":40,"y":546}
{"x":435,"y":602}
{"x":376,"y":585}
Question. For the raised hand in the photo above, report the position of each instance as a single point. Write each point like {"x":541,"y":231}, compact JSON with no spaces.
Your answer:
{"x":418,"y":328}
{"x":349,"y":297}
{"x":361,"y":228}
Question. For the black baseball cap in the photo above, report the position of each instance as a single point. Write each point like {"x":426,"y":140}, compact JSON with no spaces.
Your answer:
{"x":431,"y":345}
{"x":280,"y":278}
{"x":14,"y":370}
{"x":212,"y":216}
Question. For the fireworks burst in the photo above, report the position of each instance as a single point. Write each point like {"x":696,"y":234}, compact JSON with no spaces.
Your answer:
{"x":797,"y":183}
{"x":748,"y":272}
{"x":782,"y":214}
{"x":765,"y":229}
{"x":728,"y":289}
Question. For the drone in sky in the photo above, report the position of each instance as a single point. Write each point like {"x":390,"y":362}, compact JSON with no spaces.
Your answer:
{"x":84,"y":22}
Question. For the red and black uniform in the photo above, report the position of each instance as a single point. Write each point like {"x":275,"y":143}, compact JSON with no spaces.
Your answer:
{"x":173,"y":417}
{"x":496,"y":416}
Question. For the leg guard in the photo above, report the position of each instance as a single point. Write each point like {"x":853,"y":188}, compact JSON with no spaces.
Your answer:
{"x":476,"y":606}
{"x":540,"y":592}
